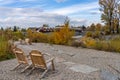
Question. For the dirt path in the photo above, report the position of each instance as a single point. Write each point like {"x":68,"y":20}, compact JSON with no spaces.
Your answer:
{"x":71,"y":64}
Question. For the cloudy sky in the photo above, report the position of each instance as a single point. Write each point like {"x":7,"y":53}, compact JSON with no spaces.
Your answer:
{"x":28,"y":13}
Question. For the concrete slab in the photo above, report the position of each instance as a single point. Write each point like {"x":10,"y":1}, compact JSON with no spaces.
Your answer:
{"x":59,"y":60}
{"x":54,"y":49}
{"x":69,"y":64}
{"x":106,"y":75}
{"x":83,"y":69}
{"x":60,"y":52}
{"x":70,"y":54}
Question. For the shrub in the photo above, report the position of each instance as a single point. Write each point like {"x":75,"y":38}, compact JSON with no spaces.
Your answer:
{"x":98,"y":45}
{"x":76,"y":43}
{"x":18,"y":35}
{"x":88,"y":34}
{"x":110,"y":45}
{"x":5,"y":52}
{"x":96,"y":34}
{"x":115,"y":44}
{"x":106,"y":30}
{"x":106,"y":46}
{"x":57,"y":38}
{"x":88,"y":42}
{"x":64,"y":36}
{"x":8,"y":34}
{"x":102,"y":45}
{"x":30,"y":34}
{"x":51,"y":38}
{"x":41,"y":37}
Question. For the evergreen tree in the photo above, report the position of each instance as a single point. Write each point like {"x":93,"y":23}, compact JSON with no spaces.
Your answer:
{"x":15,"y":28}
{"x":2,"y":28}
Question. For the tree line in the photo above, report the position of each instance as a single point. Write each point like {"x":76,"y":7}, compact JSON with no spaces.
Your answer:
{"x":110,"y":14}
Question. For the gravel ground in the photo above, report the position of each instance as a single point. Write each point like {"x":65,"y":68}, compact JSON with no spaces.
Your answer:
{"x":99,"y":60}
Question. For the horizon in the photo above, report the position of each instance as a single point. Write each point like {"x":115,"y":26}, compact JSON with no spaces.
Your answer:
{"x":35,"y":13}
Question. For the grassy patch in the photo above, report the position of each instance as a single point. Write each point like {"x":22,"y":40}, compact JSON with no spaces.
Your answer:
{"x":5,"y":51}
{"x":105,"y":45}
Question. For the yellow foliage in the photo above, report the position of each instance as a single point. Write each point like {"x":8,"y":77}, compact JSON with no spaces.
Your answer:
{"x":4,"y":48}
{"x":57,"y":38}
{"x":98,"y":27}
{"x":37,"y":36}
{"x":30,"y":34}
{"x":96,"y":34}
{"x":63,"y":36}
{"x":115,"y":44}
{"x":17,"y":35}
{"x":89,"y":42}
{"x":88,"y":34}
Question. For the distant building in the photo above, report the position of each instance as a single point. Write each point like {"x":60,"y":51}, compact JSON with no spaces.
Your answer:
{"x":45,"y":29}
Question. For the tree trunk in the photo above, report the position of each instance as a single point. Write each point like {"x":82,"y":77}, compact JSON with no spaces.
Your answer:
{"x":117,"y":28}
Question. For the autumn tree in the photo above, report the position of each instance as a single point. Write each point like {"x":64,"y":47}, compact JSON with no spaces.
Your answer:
{"x":118,"y":17}
{"x":30,"y":34}
{"x":64,"y":35}
{"x":98,"y":27}
{"x":91,"y":27}
{"x":108,"y":9}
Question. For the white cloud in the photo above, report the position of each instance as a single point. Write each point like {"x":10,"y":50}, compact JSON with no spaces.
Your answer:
{"x":31,"y":17}
{"x":78,"y":21}
{"x":95,"y":12}
{"x":80,"y":13}
{"x":76,"y":8}
{"x":28,"y":16}
{"x":19,"y":11}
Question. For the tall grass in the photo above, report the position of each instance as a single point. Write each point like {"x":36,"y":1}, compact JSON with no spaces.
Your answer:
{"x":5,"y":52}
{"x":115,"y":44}
{"x":105,"y":45}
